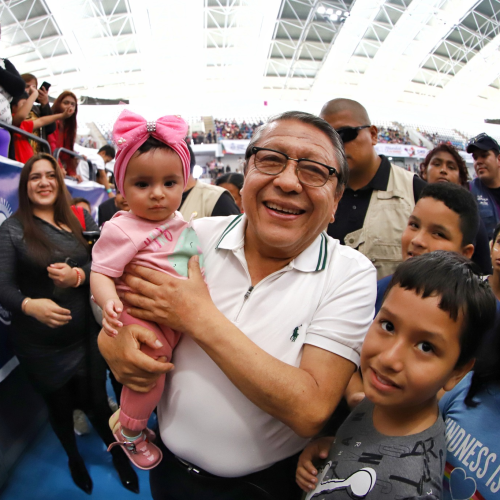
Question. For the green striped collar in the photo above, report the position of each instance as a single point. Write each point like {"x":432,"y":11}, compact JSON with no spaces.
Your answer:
{"x":313,"y":258}
{"x":234,"y":234}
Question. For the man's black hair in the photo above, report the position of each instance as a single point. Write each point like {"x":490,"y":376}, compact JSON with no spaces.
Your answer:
{"x":459,"y":200}
{"x":108,"y":151}
{"x":463,"y":293}
{"x":320,"y":124}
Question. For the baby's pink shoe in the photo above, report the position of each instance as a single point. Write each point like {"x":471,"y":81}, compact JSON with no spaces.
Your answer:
{"x":141,"y":452}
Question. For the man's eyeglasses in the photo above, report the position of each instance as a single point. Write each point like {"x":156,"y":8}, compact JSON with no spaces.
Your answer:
{"x":348,"y":134}
{"x":309,"y":172}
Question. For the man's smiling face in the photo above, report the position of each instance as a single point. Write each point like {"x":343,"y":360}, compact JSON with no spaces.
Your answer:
{"x":285,"y":216}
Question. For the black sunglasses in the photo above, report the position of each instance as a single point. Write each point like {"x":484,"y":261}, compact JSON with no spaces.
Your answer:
{"x":348,"y":134}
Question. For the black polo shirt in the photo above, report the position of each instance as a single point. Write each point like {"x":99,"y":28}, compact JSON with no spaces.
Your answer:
{"x":353,"y":206}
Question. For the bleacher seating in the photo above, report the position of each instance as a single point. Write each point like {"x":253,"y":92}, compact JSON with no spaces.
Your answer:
{"x":438,"y":135}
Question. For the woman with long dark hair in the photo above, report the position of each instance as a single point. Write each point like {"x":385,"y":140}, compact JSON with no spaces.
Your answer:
{"x":44,"y":272}
{"x":65,"y":134}
{"x":444,"y":164}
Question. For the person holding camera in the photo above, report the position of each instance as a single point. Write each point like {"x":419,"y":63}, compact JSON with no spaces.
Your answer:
{"x":40,"y":108}
{"x":44,"y":282}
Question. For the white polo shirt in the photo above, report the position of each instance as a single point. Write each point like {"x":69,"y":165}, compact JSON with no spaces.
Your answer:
{"x":325,"y":297}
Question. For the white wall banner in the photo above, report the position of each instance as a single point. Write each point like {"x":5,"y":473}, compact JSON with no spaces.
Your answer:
{"x":401,"y":150}
{"x":237,"y":147}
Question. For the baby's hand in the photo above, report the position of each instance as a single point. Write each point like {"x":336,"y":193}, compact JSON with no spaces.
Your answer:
{"x":110,"y":314}
{"x":306,"y":472}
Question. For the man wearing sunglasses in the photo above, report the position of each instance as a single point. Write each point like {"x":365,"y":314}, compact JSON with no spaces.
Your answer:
{"x":379,"y":197}
{"x":486,"y":186}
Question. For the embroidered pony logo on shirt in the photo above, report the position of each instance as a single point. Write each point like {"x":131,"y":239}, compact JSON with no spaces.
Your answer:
{"x":295,"y":333}
{"x":159,"y":237}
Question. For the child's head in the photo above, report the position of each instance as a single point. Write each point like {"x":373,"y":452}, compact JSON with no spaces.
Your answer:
{"x":18,"y":101}
{"x":445,"y":218}
{"x":428,"y":330}
{"x":152,"y":163}
{"x":83,"y":203}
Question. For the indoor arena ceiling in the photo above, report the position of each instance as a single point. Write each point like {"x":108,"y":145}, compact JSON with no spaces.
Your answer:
{"x":422,"y":52}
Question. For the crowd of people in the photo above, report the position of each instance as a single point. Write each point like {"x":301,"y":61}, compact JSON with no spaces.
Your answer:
{"x":388,"y":135}
{"x":437,"y":139}
{"x":226,"y":129}
{"x":364,"y":296}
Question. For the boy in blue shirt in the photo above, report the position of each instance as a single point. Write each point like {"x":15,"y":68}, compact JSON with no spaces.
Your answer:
{"x":423,"y":339}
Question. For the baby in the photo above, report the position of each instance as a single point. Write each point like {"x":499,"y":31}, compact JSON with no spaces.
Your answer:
{"x":151,"y":171}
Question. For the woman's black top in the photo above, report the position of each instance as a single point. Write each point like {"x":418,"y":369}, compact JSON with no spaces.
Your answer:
{"x":50,"y":356}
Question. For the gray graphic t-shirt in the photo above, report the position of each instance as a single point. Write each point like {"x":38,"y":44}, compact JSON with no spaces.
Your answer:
{"x":363,"y":463}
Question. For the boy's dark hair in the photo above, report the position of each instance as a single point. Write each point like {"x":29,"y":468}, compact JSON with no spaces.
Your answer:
{"x":79,"y":199}
{"x":459,"y":200}
{"x":108,"y":151}
{"x":451,"y":277}
{"x":15,"y":100}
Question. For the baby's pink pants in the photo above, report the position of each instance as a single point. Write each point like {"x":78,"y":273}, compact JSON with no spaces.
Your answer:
{"x":136,"y":407}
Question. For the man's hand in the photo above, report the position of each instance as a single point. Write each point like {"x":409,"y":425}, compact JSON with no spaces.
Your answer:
{"x":43,"y":96}
{"x":130,"y":365}
{"x":161,"y":298}
{"x":306,"y":471}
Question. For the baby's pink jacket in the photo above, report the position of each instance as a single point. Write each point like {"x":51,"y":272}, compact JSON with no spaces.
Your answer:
{"x":127,"y":238}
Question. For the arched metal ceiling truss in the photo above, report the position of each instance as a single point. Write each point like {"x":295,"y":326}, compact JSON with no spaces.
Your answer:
{"x":303,"y":36}
{"x":474,"y":32}
{"x":416,"y":50}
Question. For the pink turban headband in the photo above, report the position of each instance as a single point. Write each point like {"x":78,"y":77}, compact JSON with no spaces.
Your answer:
{"x":131,"y":131}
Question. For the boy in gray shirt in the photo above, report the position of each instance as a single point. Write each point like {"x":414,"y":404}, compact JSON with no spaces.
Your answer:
{"x":392,"y":445}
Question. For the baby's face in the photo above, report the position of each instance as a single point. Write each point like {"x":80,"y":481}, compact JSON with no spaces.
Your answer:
{"x":154,"y":184}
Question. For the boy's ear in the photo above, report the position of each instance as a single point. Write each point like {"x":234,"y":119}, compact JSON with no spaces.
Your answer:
{"x":458,"y":374}
{"x":468,"y":250}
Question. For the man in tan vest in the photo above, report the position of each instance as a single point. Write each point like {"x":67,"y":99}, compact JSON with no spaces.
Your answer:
{"x":205,"y":199}
{"x":379,"y":196}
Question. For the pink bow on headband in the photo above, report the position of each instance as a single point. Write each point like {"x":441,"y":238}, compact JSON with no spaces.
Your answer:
{"x":131,"y":131}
